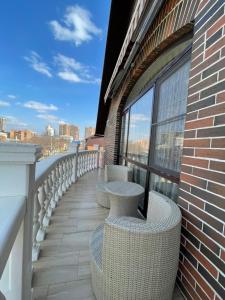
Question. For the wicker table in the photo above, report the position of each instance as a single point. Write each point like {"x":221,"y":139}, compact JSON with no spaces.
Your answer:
{"x":124,"y":198}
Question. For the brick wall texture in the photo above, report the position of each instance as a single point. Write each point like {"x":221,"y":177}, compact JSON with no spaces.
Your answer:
{"x":202,"y":187}
{"x":202,"y":182}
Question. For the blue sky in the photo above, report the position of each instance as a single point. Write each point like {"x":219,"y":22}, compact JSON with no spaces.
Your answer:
{"x":51,"y":59}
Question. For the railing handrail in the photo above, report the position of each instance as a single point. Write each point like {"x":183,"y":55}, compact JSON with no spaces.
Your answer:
{"x":14,"y":208}
{"x":41,"y":174}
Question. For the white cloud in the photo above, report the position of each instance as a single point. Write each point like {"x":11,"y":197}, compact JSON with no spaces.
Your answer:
{"x":40,"y":107}
{"x":11,"y":96}
{"x":76,"y":26}
{"x":73,"y":71}
{"x":4,"y":104}
{"x":37,"y":64}
{"x":69,"y":76}
{"x":138,"y":118}
{"x":50,"y":118}
{"x":13,"y":121}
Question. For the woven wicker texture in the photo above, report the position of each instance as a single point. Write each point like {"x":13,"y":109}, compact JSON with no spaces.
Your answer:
{"x":112,"y":173}
{"x":139,"y":259}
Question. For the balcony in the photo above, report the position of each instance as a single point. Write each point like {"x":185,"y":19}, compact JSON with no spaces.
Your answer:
{"x":48,"y":209}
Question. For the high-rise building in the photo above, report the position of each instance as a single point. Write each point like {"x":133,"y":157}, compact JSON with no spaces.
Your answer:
{"x":64,"y":129}
{"x":89,"y":131}
{"x":21,"y":135}
{"x":74,"y":132}
{"x":69,"y":130}
{"x":49,"y":130}
{"x":2,"y":124}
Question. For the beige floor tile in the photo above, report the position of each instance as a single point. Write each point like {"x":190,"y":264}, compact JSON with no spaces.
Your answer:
{"x":54,"y":275}
{"x":63,"y":270}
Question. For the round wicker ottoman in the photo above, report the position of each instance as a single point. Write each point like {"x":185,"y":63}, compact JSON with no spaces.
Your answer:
{"x":124,"y":198}
{"x":102,"y":197}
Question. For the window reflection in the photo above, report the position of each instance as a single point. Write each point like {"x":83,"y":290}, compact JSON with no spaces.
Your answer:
{"x":124,"y":133}
{"x":164,"y":186}
{"x":139,"y":128}
{"x":139,"y":176}
{"x":169,"y":129}
{"x":169,"y":145}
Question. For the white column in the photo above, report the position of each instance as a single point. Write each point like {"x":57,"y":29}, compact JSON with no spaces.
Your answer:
{"x":17,"y":177}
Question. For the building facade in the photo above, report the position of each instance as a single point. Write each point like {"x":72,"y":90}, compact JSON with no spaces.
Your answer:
{"x":2,"y":124}
{"x":68,"y":130}
{"x":21,"y":135}
{"x":89,"y":131}
{"x":49,"y":130}
{"x":64,"y":129}
{"x":162,"y":112}
{"x":74,"y":132}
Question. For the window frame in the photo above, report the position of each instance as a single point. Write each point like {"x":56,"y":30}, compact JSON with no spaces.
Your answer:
{"x":154,"y":84}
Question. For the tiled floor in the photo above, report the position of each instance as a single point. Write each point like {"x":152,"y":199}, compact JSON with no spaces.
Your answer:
{"x":63,"y":271}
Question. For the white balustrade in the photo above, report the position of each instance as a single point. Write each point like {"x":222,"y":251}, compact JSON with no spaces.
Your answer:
{"x":29,"y":193}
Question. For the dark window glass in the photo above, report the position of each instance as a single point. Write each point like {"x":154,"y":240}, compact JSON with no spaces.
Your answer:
{"x":162,"y":163}
{"x":139,"y":128}
{"x":169,"y":144}
{"x":173,"y":93}
{"x":169,"y":126}
{"x":139,"y":176}
{"x":164,"y":186}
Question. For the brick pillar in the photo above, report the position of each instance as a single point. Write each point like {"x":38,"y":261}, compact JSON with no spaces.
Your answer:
{"x":202,"y":188}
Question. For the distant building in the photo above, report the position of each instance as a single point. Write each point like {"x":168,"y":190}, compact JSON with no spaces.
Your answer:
{"x":3,"y":136}
{"x":21,"y":135}
{"x":69,"y":131}
{"x":74,"y":132}
{"x":50,"y":131}
{"x":2,"y":124}
{"x":64,"y":129}
{"x":89,"y":131}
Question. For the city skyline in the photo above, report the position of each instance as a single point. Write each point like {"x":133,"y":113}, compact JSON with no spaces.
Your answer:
{"x":52,"y":75}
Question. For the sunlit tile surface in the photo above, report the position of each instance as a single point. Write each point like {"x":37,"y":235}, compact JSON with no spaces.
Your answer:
{"x":63,"y":269}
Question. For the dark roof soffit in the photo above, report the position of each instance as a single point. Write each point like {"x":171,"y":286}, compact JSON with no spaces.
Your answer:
{"x":119,"y":20}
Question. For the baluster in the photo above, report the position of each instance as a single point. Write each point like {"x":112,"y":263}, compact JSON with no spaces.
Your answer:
{"x":63,"y":177}
{"x":81,"y":164}
{"x":98,"y":155}
{"x":41,"y":199}
{"x":36,"y":227}
{"x":92,"y":161}
{"x":85,"y":162}
{"x":73,"y":170}
{"x":96,"y":160}
{"x":67,"y":174}
{"x":46,"y":220}
{"x":57,"y":184}
{"x":60,"y":180}
{"x":53,"y":190}
{"x":78,"y":166}
{"x":88,"y":161}
{"x":70,"y":171}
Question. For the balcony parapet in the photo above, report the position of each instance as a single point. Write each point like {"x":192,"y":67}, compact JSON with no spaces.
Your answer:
{"x":30,"y":191}
{"x":53,"y":178}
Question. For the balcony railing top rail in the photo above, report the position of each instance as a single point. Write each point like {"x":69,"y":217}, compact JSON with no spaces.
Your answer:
{"x":29,"y":193}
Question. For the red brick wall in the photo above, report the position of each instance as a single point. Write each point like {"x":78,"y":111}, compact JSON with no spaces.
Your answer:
{"x":202,"y":188}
